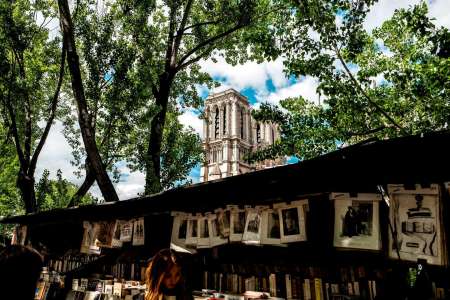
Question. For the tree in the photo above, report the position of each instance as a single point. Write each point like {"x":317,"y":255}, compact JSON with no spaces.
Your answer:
{"x":84,"y":117}
{"x":172,"y":36}
{"x":57,"y":193}
{"x":30,"y":80}
{"x":407,"y":52}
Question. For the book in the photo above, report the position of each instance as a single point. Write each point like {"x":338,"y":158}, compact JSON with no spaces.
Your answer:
{"x":288,"y":286}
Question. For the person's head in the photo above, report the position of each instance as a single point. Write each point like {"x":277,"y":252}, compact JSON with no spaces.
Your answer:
{"x":163,"y":273}
{"x":20,"y":268}
{"x":290,"y":220}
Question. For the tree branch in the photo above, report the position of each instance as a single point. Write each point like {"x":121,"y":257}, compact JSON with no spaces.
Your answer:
{"x":180,"y":31}
{"x":358,"y":86}
{"x":53,"y":107}
{"x":193,"y":60}
{"x":199,"y":24}
{"x":208,"y":42}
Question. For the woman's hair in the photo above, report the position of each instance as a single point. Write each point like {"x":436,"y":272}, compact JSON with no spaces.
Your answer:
{"x":20,"y":268}
{"x":158,"y":268}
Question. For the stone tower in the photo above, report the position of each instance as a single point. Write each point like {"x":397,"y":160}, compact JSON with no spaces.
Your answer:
{"x":230,"y":133}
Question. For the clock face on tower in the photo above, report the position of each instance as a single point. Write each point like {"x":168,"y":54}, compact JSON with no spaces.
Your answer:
{"x":230,"y":134}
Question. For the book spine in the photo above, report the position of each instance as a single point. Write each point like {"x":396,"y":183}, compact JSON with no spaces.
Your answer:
{"x":288,"y":286}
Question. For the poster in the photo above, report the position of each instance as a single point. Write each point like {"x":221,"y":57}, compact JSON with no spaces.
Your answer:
{"x":223,"y":220}
{"x":116,"y":242}
{"x":192,"y":230}
{"x":292,"y":220}
{"x":416,"y":219}
{"x":252,"y":231}
{"x":356,"y":221}
{"x":104,"y":233}
{"x":19,"y":235}
{"x":237,"y":223}
{"x":138,"y":232}
{"x":179,"y":229}
{"x":215,"y":236}
{"x":203,"y":232}
{"x":126,"y":231}
{"x":270,"y":228}
{"x":88,"y":244}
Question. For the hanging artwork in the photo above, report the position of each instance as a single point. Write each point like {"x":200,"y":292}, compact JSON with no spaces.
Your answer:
{"x":88,"y":245}
{"x":104,"y":233}
{"x":192,"y":230}
{"x":116,"y":242}
{"x":292,"y":220}
{"x":252,"y":231}
{"x":237,"y":223}
{"x":126,"y":231}
{"x":138,"y":232}
{"x":270,"y":228}
{"x":416,"y":219}
{"x":356,"y":221}
{"x":215,"y":238}
{"x":223,"y":219}
{"x":179,"y":229}
{"x":203,"y":232}
{"x":19,"y":235}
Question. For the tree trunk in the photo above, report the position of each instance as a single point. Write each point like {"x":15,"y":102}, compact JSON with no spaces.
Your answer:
{"x":87,"y":132}
{"x":83,"y":189}
{"x":153,"y":164}
{"x":25,"y":184}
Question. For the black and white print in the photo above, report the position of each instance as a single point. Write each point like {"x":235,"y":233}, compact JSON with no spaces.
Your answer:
{"x":138,"y":232}
{"x":270,"y":227}
{"x":292,"y":221}
{"x":415,"y":216}
{"x":356,"y":221}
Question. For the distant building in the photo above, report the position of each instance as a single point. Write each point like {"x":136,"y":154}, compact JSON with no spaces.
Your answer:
{"x":230,"y":133}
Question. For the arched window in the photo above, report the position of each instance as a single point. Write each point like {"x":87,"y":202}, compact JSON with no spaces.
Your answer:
{"x":224,"y":120}
{"x":242,"y":123}
{"x":273,"y":135}
{"x":216,"y":124}
{"x":258,"y":133}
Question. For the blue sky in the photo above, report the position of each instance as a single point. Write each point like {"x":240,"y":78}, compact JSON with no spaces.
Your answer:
{"x":259,"y":82}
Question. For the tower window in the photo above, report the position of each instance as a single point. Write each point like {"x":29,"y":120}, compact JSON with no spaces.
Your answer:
{"x":242,"y":123}
{"x":216,"y":124}
{"x":224,"y":120}
{"x":273,"y":136}
{"x":258,"y":133}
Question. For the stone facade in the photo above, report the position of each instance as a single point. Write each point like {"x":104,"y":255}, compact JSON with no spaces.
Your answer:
{"x":230,"y":133}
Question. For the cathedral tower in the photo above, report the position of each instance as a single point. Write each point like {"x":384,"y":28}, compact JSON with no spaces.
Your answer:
{"x":230,"y":133}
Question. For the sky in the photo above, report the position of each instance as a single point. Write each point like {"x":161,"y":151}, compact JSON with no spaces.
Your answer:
{"x":265,"y":82}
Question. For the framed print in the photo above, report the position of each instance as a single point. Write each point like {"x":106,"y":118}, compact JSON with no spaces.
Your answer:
{"x":215,"y":239}
{"x":223,"y":220}
{"x":179,"y":229}
{"x":356,"y":221}
{"x":138,"y":232}
{"x":416,"y":220}
{"x":292,"y":221}
{"x":19,"y":235}
{"x":116,"y":242}
{"x":104,"y":233}
{"x":126,"y":231}
{"x":88,"y":245}
{"x":192,"y":230}
{"x":252,"y":230}
{"x":203,"y":232}
{"x":237,"y":223}
{"x":270,"y":228}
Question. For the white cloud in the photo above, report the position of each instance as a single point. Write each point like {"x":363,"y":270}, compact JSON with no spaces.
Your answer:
{"x":305,"y":88}
{"x":384,"y":9}
{"x":57,"y":154}
{"x":132,"y":186}
{"x":248,"y":75}
{"x":191,"y":118}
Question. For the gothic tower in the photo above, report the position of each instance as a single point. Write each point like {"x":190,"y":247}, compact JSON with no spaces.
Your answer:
{"x":230,"y":133}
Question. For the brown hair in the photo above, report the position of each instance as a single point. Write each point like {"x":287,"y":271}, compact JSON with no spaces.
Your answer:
{"x":160,"y":265}
{"x":20,"y":267}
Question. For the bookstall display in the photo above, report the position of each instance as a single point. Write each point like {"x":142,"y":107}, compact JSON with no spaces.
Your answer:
{"x":289,"y":234}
